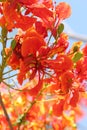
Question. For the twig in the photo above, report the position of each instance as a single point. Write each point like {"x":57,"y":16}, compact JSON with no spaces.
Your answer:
{"x":7,"y":72}
{"x":29,"y":107}
{"x":12,"y":87}
{"x":9,"y":77}
{"x":5,"y":112}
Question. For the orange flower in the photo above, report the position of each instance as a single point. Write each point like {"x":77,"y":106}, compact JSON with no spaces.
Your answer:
{"x":13,"y":61}
{"x":41,"y":29}
{"x":61,"y":45}
{"x":63,"y":10}
{"x":30,"y":57}
{"x":75,"y":98}
{"x":27,"y":2}
{"x":15,"y":18}
{"x":33,"y":52}
{"x":58,"y":108}
{"x":10,"y":13}
{"x":33,"y":66}
{"x":35,"y":90}
{"x":57,"y":124}
{"x":48,"y":3}
{"x":14,"y":55}
{"x":61,"y":64}
{"x":66,"y":81}
{"x":81,"y":69}
{"x":24,"y":22}
{"x":32,"y":42}
{"x":33,"y":87}
{"x":85,"y":50}
{"x":2,"y":21}
{"x":41,"y":11}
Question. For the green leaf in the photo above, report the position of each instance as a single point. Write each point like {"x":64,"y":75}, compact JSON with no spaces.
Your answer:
{"x":75,"y":49}
{"x":77,"y":57}
{"x":60,"y":28}
{"x":13,"y":44}
{"x":4,"y":32}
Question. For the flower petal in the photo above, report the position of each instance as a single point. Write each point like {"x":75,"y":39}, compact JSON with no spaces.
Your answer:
{"x":63,"y":10}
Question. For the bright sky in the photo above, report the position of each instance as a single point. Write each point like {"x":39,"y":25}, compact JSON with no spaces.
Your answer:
{"x":78,"y":19}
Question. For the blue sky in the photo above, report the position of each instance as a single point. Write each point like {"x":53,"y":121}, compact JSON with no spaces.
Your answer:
{"x":78,"y":19}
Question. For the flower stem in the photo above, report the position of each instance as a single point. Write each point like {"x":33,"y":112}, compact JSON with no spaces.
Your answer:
{"x":2,"y":67}
{"x":29,"y":107}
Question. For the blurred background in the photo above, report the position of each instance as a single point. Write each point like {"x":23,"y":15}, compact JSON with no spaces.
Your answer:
{"x":76,"y":27}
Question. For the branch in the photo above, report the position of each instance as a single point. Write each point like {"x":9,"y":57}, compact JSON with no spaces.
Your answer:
{"x":5,"y":112}
{"x":9,"y":77}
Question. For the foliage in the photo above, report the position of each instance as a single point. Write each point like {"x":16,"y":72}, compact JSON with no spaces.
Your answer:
{"x":42,"y":79}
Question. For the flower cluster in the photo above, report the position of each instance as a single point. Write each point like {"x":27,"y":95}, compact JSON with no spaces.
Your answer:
{"x":52,"y":71}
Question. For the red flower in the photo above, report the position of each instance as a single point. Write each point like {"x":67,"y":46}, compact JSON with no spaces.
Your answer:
{"x":58,"y":108}
{"x":24,"y":22}
{"x":81,"y":69}
{"x":63,"y":10}
{"x":41,"y":29}
{"x":44,"y":13}
{"x":14,"y":55}
{"x":10,"y":14}
{"x":33,"y":51}
{"x":14,"y":18}
{"x":48,"y":3}
{"x":32,"y":66}
{"x":61,"y":64}
{"x":85,"y":50}
{"x":61,"y":45}
{"x":74,"y":99}
{"x":27,"y":2}
{"x":14,"y":61}
{"x":66,"y":81}
{"x":41,"y":11}
{"x":2,"y":21}
{"x":35,"y":90}
{"x":32,"y":42}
